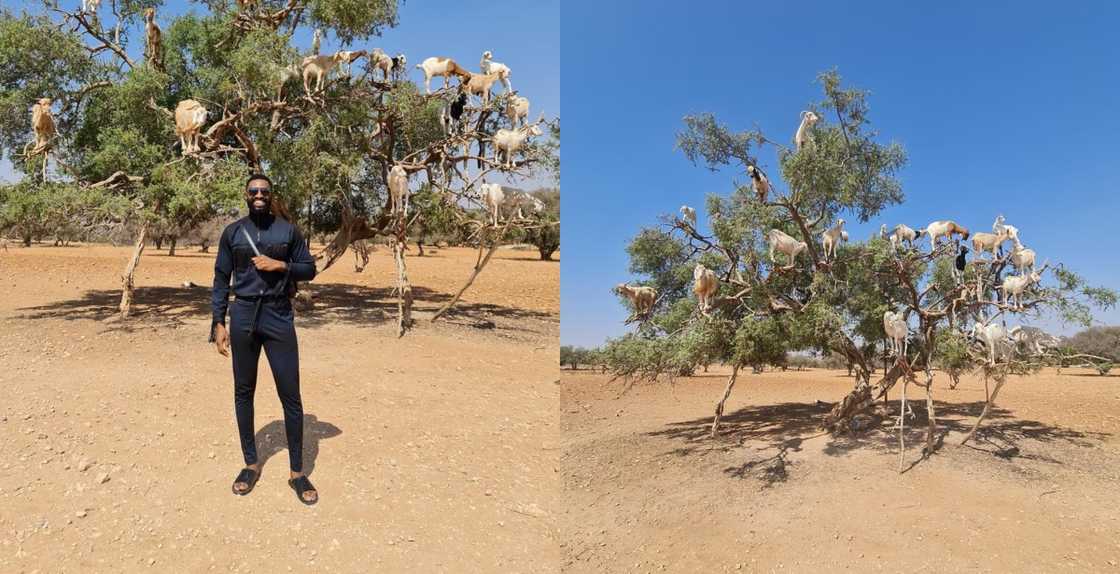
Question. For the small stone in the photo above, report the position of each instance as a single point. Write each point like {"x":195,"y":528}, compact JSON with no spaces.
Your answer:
{"x":103,"y":478}
{"x":211,"y":455}
{"x":80,"y":514}
{"x":84,"y":464}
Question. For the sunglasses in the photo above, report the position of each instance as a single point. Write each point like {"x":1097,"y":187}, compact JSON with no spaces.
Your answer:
{"x":261,"y":190}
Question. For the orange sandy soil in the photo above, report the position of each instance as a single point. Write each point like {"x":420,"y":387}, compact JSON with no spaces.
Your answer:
{"x":433,"y":452}
{"x":646,"y":490}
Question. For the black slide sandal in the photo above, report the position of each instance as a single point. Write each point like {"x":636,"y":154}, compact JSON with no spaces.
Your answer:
{"x":248,"y":476}
{"x":302,"y":485}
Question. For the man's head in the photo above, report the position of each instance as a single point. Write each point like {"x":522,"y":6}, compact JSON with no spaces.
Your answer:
{"x":258,"y":194}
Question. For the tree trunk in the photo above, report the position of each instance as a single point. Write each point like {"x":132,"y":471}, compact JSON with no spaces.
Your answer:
{"x":480,"y":263}
{"x":726,"y":393}
{"x":404,"y":290}
{"x":860,"y":398}
{"x":27,"y":240}
{"x":987,"y":408}
{"x":546,"y":253}
{"x":130,"y":271}
{"x":159,"y":242}
{"x":171,"y":247}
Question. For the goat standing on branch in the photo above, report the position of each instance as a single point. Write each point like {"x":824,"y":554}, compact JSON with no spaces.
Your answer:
{"x":154,"y":36}
{"x":943,"y":228}
{"x":759,"y":183}
{"x":42,"y":122}
{"x":782,"y":242}
{"x":804,"y":135}
{"x":688,"y":214}
{"x":641,"y":298}
{"x":1014,"y":286}
{"x":832,"y":238}
{"x":319,"y":67}
{"x":438,"y":66}
{"x":189,"y":119}
{"x":398,"y":190}
{"x":510,"y":142}
{"x":489,"y":66}
{"x":704,"y":285}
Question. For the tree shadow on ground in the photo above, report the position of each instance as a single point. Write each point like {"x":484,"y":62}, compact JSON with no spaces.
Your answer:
{"x":272,"y":439}
{"x":334,"y":303}
{"x":781,"y":428}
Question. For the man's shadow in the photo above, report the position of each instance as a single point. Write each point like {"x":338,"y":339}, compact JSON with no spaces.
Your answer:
{"x":271,"y":439}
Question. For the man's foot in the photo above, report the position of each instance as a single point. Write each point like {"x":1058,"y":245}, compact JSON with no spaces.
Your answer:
{"x":304,"y":490}
{"x":247,"y":479}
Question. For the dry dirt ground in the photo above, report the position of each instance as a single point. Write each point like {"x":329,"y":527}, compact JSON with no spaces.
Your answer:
{"x":646,"y":490}
{"x":434,"y":452}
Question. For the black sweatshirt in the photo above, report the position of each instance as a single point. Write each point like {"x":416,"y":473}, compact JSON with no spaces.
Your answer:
{"x":274,"y":237}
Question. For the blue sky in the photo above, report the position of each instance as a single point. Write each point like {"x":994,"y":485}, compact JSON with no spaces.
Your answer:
{"x":523,"y":35}
{"x":1003,"y":107}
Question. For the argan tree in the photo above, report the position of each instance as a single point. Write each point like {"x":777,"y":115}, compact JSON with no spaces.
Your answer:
{"x":764,"y":310}
{"x":330,"y":150}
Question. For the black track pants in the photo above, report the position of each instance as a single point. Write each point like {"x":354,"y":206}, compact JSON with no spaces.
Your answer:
{"x":266,"y":323}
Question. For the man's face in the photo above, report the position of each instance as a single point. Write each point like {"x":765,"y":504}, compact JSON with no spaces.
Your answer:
{"x":258,"y":195}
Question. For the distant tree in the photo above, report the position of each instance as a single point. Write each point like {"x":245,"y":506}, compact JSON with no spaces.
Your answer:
{"x":765,"y":309}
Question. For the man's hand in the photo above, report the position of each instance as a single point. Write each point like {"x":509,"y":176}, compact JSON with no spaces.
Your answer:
{"x":221,"y":339}
{"x":266,"y":263}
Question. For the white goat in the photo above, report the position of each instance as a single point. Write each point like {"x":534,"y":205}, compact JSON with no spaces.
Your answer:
{"x":42,"y":122}
{"x":1022,"y":257}
{"x":510,"y":141}
{"x":1033,"y":338}
{"x":781,"y":242}
{"x":319,"y":67}
{"x":398,"y":189}
{"x":1014,"y":286}
{"x":994,"y":337}
{"x":896,"y":329}
{"x":525,"y":200}
{"x":1012,"y":231}
{"x":189,"y":119}
{"x":489,"y":66}
{"x":493,"y":196}
{"x":946,"y":228}
{"x":517,"y":109}
{"x":90,"y":6}
{"x":989,"y":242}
{"x":348,"y":57}
{"x":704,"y":285}
{"x":438,"y":66}
{"x":688,"y":214}
{"x":902,"y":232}
{"x":832,"y":237}
{"x":759,"y":183}
{"x":480,"y":84}
{"x":642,"y":298}
{"x":803,"y":135}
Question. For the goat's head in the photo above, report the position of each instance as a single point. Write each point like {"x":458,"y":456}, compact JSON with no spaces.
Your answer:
{"x":487,"y":55}
{"x":45,"y":102}
{"x":149,"y":14}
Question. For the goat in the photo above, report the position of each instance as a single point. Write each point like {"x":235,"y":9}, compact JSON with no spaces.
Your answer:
{"x":524,"y":199}
{"x":511,"y":141}
{"x":688,"y":214}
{"x":517,"y":109}
{"x":1033,"y":338}
{"x":993,"y":336}
{"x":998,"y":225}
{"x":883,"y":231}
{"x":452,"y":114}
{"x":759,"y":183}
{"x":189,"y":119}
{"x":903,"y":232}
{"x":284,"y":75}
{"x":960,"y":263}
{"x":642,"y":298}
{"x":320,"y":67}
{"x":780,"y":241}
{"x":704,"y":285}
{"x":803,"y":135}
{"x":939,"y":228}
{"x":896,"y":329}
{"x":489,"y":66}
{"x":492,"y":197}
{"x":1021,"y":257}
{"x":1014,"y":286}
{"x":90,"y":6}
{"x":398,"y":189}
{"x":42,"y":121}
{"x":985,"y":242}
{"x":347,"y":57}
{"x":832,"y":237}
{"x":480,"y":84}
{"x":315,"y":39}
{"x":446,"y":67}
{"x":154,"y":36}
{"x":388,"y":65}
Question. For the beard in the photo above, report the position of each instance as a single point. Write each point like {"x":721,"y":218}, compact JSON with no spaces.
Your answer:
{"x":266,"y":208}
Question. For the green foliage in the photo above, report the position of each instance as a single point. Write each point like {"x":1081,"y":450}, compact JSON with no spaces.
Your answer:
{"x":1099,"y":341}
{"x":546,"y":235}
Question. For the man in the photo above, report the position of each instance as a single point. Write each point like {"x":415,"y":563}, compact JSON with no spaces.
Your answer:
{"x":265,"y":254}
